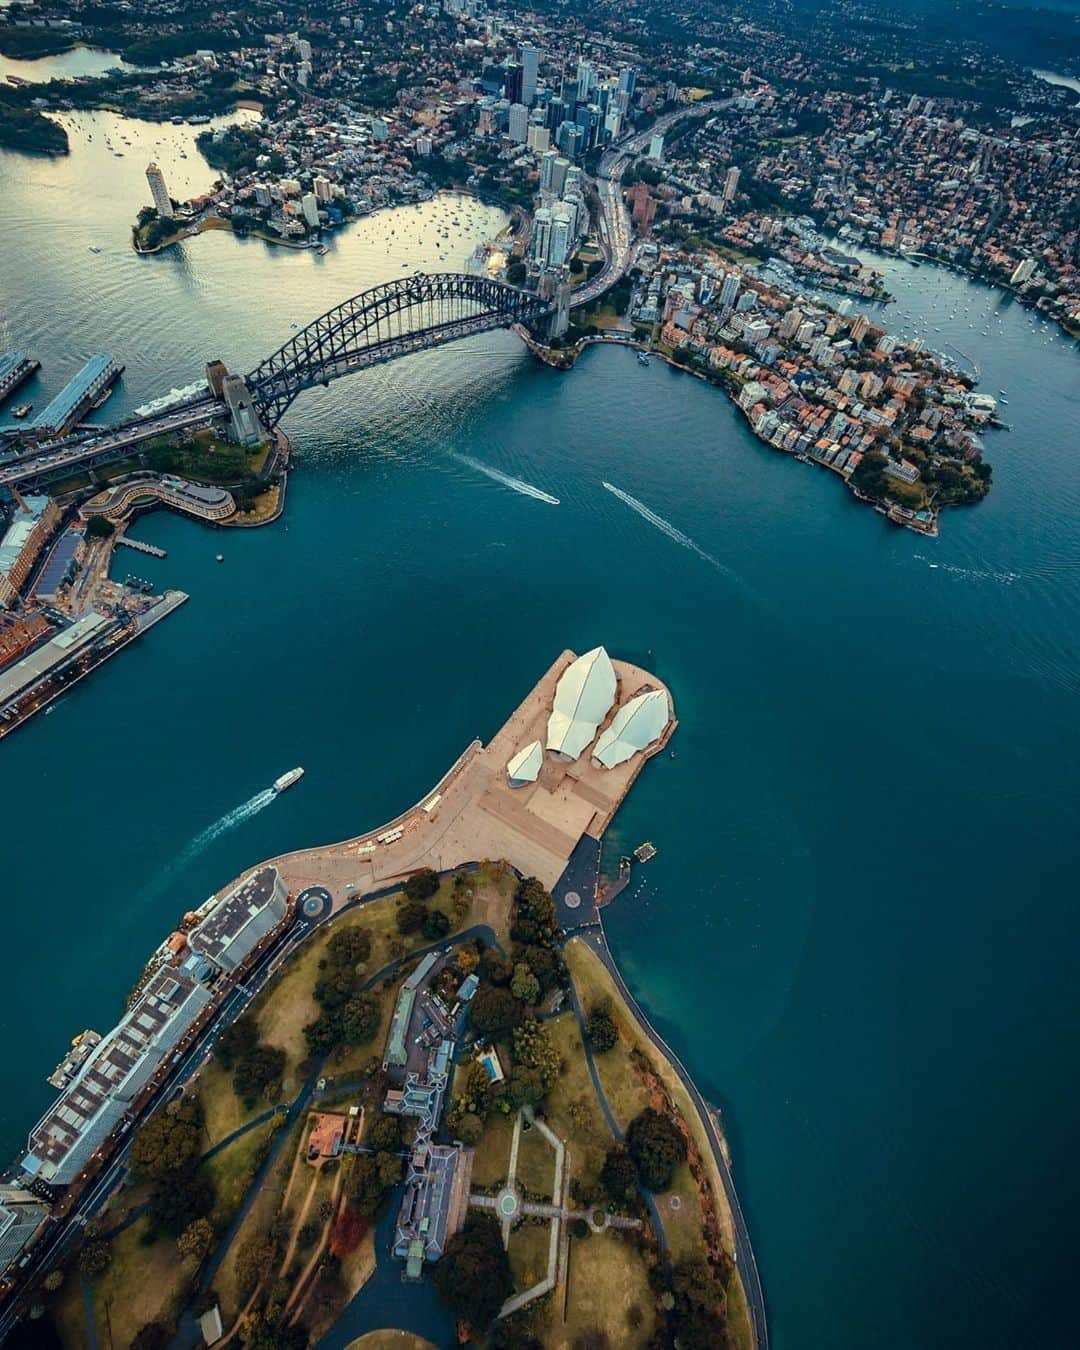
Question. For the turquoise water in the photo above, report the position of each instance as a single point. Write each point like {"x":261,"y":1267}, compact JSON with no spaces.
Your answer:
{"x":860,"y":930}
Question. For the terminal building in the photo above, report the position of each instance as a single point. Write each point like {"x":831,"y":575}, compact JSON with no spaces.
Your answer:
{"x":78,"y":396}
{"x":114,"y":1077}
{"x":15,"y":369}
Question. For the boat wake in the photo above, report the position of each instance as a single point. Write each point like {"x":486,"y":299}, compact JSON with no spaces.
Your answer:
{"x":972,"y":573}
{"x":515,"y":484}
{"x":202,"y":841}
{"x":664,"y":526}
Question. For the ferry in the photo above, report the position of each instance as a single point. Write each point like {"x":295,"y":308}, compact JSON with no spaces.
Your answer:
{"x":288,"y":779}
{"x":23,"y":410}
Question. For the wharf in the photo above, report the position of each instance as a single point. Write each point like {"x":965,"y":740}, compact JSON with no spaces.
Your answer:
{"x":63,"y":675}
{"x":141,"y":547}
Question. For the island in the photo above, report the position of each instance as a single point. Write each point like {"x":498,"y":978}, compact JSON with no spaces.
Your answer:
{"x":406,"y":1057}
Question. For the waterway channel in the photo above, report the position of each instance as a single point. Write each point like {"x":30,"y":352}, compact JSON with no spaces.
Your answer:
{"x":860,"y":932}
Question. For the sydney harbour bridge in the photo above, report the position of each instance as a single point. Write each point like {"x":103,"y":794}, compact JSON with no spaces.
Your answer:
{"x":396,"y":319}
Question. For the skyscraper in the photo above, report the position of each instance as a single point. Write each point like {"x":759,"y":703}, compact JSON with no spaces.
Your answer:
{"x":540,"y":242}
{"x":547,"y":171}
{"x":518,"y":123}
{"x":584,"y":80}
{"x":513,"y":82}
{"x":562,"y":233}
{"x":309,"y":204}
{"x":731,"y":185}
{"x":160,"y":193}
{"x":627,"y":80}
{"x":728,"y":291}
{"x":530,"y":69}
{"x":323,"y":188}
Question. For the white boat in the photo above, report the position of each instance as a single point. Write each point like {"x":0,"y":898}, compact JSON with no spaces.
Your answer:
{"x":288,"y":779}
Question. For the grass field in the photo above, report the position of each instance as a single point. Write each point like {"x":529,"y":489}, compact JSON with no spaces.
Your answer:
{"x":234,"y":1168}
{"x":607,"y":1290}
{"x":571,"y":1108}
{"x":536,"y":1164}
{"x":492,"y":1161}
{"x":528,"y":1253}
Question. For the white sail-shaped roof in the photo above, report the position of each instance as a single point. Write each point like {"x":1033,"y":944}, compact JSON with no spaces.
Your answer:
{"x":634,"y":727}
{"x":525,"y":765}
{"x":582,"y":700}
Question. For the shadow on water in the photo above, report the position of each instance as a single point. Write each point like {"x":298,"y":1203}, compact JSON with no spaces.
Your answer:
{"x":384,"y":1302}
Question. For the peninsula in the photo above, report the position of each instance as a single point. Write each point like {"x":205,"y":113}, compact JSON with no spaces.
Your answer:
{"x":466,"y":1018}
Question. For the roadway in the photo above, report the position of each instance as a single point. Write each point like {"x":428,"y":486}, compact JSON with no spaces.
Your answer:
{"x":100,"y":443}
{"x":616,"y":232}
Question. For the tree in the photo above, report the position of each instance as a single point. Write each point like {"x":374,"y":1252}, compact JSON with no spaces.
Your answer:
{"x":411,"y":916}
{"x":534,"y":913}
{"x":349,"y":947}
{"x":236,"y":1041}
{"x":94,"y":1258}
{"x":180,"y":1196}
{"x":169,"y":1140}
{"x":469,"y":1129}
{"x":98,"y":527}
{"x":384,"y":1133}
{"x":54,"y":1280}
{"x":195,"y":1240}
{"x":524,"y":985}
{"x":618,"y":1174}
{"x":436,"y":925}
{"x":494,"y":1012}
{"x":496,"y":968}
{"x":259,"y":1070}
{"x":473,"y":1275}
{"x":657,"y":1147}
{"x":422,"y":885}
{"x":253,"y":1260}
{"x":360,"y":1019}
{"x":602,"y":1032}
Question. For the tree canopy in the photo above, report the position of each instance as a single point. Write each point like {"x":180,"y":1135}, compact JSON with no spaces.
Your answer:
{"x":473,"y":1275}
{"x":657,"y":1147}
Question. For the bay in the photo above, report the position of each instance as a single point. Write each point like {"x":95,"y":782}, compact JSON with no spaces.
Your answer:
{"x":860,"y":930}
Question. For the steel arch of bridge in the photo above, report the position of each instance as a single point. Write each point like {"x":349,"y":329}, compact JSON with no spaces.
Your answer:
{"x":385,"y":322}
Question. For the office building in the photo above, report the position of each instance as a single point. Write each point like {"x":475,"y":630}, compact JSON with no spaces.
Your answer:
{"x":539,"y":139}
{"x":584,"y":80}
{"x":627,"y":81}
{"x":530,"y":70}
{"x":518,"y":123}
{"x":513,"y":82}
{"x":159,"y":192}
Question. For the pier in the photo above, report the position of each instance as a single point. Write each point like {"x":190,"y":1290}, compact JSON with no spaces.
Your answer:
{"x":142,"y":547}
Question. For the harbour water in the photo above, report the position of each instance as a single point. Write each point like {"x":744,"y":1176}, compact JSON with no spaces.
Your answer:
{"x":860,"y":931}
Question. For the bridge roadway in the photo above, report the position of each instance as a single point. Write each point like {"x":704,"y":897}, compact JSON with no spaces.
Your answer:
{"x":99,"y":446}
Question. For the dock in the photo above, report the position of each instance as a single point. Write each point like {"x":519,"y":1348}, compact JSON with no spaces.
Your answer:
{"x":85,"y":391}
{"x":15,"y":369}
{"x":141,"y":547}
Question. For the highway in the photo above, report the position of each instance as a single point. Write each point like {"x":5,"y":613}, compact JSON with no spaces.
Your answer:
{"x":616,"y":233}
{"x":95,"y":442}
